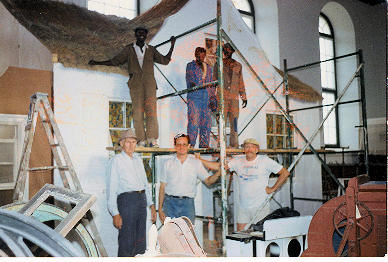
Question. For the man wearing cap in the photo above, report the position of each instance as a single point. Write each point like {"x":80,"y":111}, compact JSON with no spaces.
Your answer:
{"x":128,"y":197}
{"x":178,"y":181}
{"x":140,"y":59}
{"x":233,"y":89}
{"x":253,"y":172}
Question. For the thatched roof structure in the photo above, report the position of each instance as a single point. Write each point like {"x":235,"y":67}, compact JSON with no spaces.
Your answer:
{"x":299,"y":90}
{"x":77,"y":35}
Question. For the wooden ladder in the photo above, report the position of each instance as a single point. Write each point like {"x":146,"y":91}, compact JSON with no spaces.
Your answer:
{"x":40,"y":106}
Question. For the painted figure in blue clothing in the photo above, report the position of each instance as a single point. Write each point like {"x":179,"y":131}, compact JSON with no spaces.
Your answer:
{"x":198,"y":111}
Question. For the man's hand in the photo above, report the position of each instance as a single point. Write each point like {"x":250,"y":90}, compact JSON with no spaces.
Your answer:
{"x":226,"y":164}
{"x":92,"y":62}
{"x":153,"y":214}
{"x":269,"y":190}
{"x":162,"y":216}
{"x":244,"y":103}
{"x":117,"y":221}
{"x":172,"y":39}
{"x":197,"y":155}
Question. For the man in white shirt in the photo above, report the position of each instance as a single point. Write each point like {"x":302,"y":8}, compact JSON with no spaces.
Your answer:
{"x":178,"y":182}
{"x":252,"y":173}
{"x":128,"y":196}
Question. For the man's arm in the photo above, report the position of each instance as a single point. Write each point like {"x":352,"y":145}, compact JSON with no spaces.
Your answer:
{"x":119,"y":59}
{"x":161,"y":59}
{"x":212,"y":179}
{"x":241,"y":89}
{"x":283,"y":175}
{"x":212,"y":165}
{"x":113,"y":184}
{"x":162,"y":216}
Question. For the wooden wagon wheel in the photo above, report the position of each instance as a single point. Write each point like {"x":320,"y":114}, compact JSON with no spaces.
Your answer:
{"x":365,"y":222}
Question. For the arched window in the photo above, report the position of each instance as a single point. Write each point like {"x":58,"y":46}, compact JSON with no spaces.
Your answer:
{"x":247,"y":11}
{"x":123,"y":8}
{"x":328,"y":80}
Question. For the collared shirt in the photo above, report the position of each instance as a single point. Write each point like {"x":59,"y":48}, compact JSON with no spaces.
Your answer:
{"x":140,"y":53}
{"x":126,"y":174}
{"x":181,"y":178}
{"x":252,"y":178}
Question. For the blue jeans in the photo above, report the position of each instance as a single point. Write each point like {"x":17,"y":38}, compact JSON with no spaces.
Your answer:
{"x":132,"y":235}
{"x":177,"y":207}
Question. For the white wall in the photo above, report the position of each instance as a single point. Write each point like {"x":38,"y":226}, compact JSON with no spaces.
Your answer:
{"x":82,"y":109}
{"x":18,"y":47}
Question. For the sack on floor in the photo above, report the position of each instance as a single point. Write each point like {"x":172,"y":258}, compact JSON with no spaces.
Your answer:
{"x":177,"y":236}
{"x":278,"y":213}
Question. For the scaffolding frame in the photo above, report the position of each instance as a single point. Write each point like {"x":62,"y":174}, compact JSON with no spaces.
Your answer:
{"x":222,"y":35}
{"x":361,"y":86}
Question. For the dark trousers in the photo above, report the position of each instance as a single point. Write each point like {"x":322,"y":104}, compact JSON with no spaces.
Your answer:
{"x":132,"y":235}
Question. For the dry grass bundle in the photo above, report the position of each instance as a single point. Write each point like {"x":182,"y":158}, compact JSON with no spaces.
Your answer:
{"x":77,"y":35}
{"x":299,"y":90}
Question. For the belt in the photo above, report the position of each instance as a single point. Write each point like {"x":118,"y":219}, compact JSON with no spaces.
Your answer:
{"x":181,"y":197}
{"x":139,"y":192}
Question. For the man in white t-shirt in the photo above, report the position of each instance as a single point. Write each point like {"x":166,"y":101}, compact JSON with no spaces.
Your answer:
{"x":178,"y":181}
{"x":252,"y":172}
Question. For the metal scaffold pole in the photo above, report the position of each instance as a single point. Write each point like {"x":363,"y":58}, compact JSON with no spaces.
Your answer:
{"x":221,"y":128}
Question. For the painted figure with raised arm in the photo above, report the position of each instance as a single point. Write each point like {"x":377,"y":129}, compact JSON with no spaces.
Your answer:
{"x":140,"y":58}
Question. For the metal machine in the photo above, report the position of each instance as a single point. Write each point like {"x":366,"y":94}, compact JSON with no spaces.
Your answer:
{"x":354,"y":224}
{"x":282,"y":237}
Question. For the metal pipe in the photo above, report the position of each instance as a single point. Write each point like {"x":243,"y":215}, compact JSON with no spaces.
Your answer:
{"x":221,"y":129}
{"x":320,"y":106}
{"x":168,"y":81}
{"x":363,"y":111}
{"x":289,"y":155}
{"x":324,"y":119}
{"x":262,"y":106}
{"x":310,"y":199}
{"x":318,"y":62}
{"x":280,"y":108}
{"x":184,"y":91}
{"x":188,"y":32}
{"x":153,"y":189}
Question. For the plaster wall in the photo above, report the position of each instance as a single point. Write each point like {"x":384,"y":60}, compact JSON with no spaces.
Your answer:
{"x":298,"y":43}
{"x":19,"y":48}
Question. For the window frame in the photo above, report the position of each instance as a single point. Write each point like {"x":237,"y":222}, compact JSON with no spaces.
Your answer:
{"x":250,"y":14}
{"x":124,"y":117}
{"x":329,"y":90}
{"x":137,"y":11}
{"x":19,"y":121}
{"x":284,"y":135}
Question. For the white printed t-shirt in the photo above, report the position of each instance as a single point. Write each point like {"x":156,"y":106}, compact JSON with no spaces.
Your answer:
{"x":181,"y":178}
{"x":252,"y":178}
